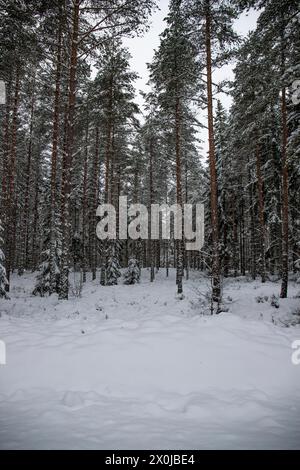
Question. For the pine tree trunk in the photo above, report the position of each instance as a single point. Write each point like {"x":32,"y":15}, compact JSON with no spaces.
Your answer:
{"x":225,"y":242}
{"x":6,"y":148}
{"x":107,"y":196}
{"x":285,"y":202}
{"x":34,"y":248}
{"x":167,"y":257}
{"x":252,"y":229}
{"x":25,"y":215}
{"x":235,"y":246}
{"x":180,"y":248}
{"x":216,"y":281}
{"x":151,"y":201}
{"x":66,"y":182}
{"x":55,"y":137}
{"x":157,"y":257}
{"x":186,"y":253}
{"x":11,"y":181}
{"x":107,"y":184}
{"x":243,"y":243}
{"x":95,"y":202}
{"x":261,"y":210}
{"x":84,"y":198}
{"x":285,"y":176}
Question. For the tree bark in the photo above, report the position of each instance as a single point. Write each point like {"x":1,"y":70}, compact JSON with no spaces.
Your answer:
{"x":84,"y":197}
{"x":285,"y":175}
{"x":285,"y":201}
{"x":11,"y":180}
{"x":54,"y":155}
{"x":66,"y":182}
{"x":261,"y":211}
{"x":216,"y":281}
{"x":25,"y":215}
{"x":95,"y":202}
{"x":151,"y":201}
{"x":180,"y":242}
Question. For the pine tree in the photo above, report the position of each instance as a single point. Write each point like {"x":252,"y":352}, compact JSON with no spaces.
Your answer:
{"x":70,"y":141}
{"x":174,"y":74}
{"x":132,"y":16}
{"x":54,"y":268}
{"x":113,"y":114}
{"x":213,"y":21}
{"x":112,"y":268}
{"x":20,"y":46}
{"x":44,"y":283}
{"x":274,"y":26}
{"x":223,"y":167}
{"x":132,"y":275}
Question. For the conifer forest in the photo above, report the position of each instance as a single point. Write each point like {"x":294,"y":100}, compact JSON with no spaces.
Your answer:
{"x":136,"y":341}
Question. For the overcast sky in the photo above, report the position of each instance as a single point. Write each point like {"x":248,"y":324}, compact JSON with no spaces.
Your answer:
{"x":142,"y":50}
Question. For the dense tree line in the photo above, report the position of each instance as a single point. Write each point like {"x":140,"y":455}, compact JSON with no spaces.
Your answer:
{"x":72,"y":136}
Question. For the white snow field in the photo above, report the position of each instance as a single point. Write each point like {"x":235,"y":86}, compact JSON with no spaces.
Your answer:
{"x":132,"y":367}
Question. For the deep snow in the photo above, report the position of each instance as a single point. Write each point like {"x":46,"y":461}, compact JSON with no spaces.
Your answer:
{"x":131,"y":367}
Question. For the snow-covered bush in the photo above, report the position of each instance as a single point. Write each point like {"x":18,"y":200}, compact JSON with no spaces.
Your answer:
{"x":296,"y":313}
{"x":275,"y":301}
{"x":289,"y":319}
{"x":132,"y":274}
{"x":3,"y":279}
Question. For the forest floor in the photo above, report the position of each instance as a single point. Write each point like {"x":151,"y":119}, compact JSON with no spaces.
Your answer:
{"x":131,"y":367}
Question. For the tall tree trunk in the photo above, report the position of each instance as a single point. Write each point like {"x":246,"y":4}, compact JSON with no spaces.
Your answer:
{"x":235,"y":243}
{"x":242,"y":238}
{"x":151,"y":201}
{"x":54,"y":155}
{"x":180,"y":247}
{"x":225,"y":244}
{"x":285,"y":176}
{"x":84,"y":197}
{"x":11,"y":180}
{"x":285,"y":201}
{"x":95,"y":202}
{"x":216,"y":280}
{"x":25,"y":215}
{"x":186,"y":253}
{"x":252,"y":228}
{"x":107,"y":196}
{"x":261,"y":211}
{"x":34,"y":245}
{"x":107,"y":183}
{"x":66,"y":182}
{"x":6,"y":148}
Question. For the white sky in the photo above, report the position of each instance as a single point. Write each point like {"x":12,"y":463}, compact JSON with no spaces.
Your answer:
{"x":142,"y":50}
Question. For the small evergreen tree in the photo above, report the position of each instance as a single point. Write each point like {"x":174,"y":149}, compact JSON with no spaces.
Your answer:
{"x":112,"y":266}
{"x":43,"y":285}
{"x":132,"y":275}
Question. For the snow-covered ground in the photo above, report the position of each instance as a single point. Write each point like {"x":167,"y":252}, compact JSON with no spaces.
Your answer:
{"x":132,"y":367}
